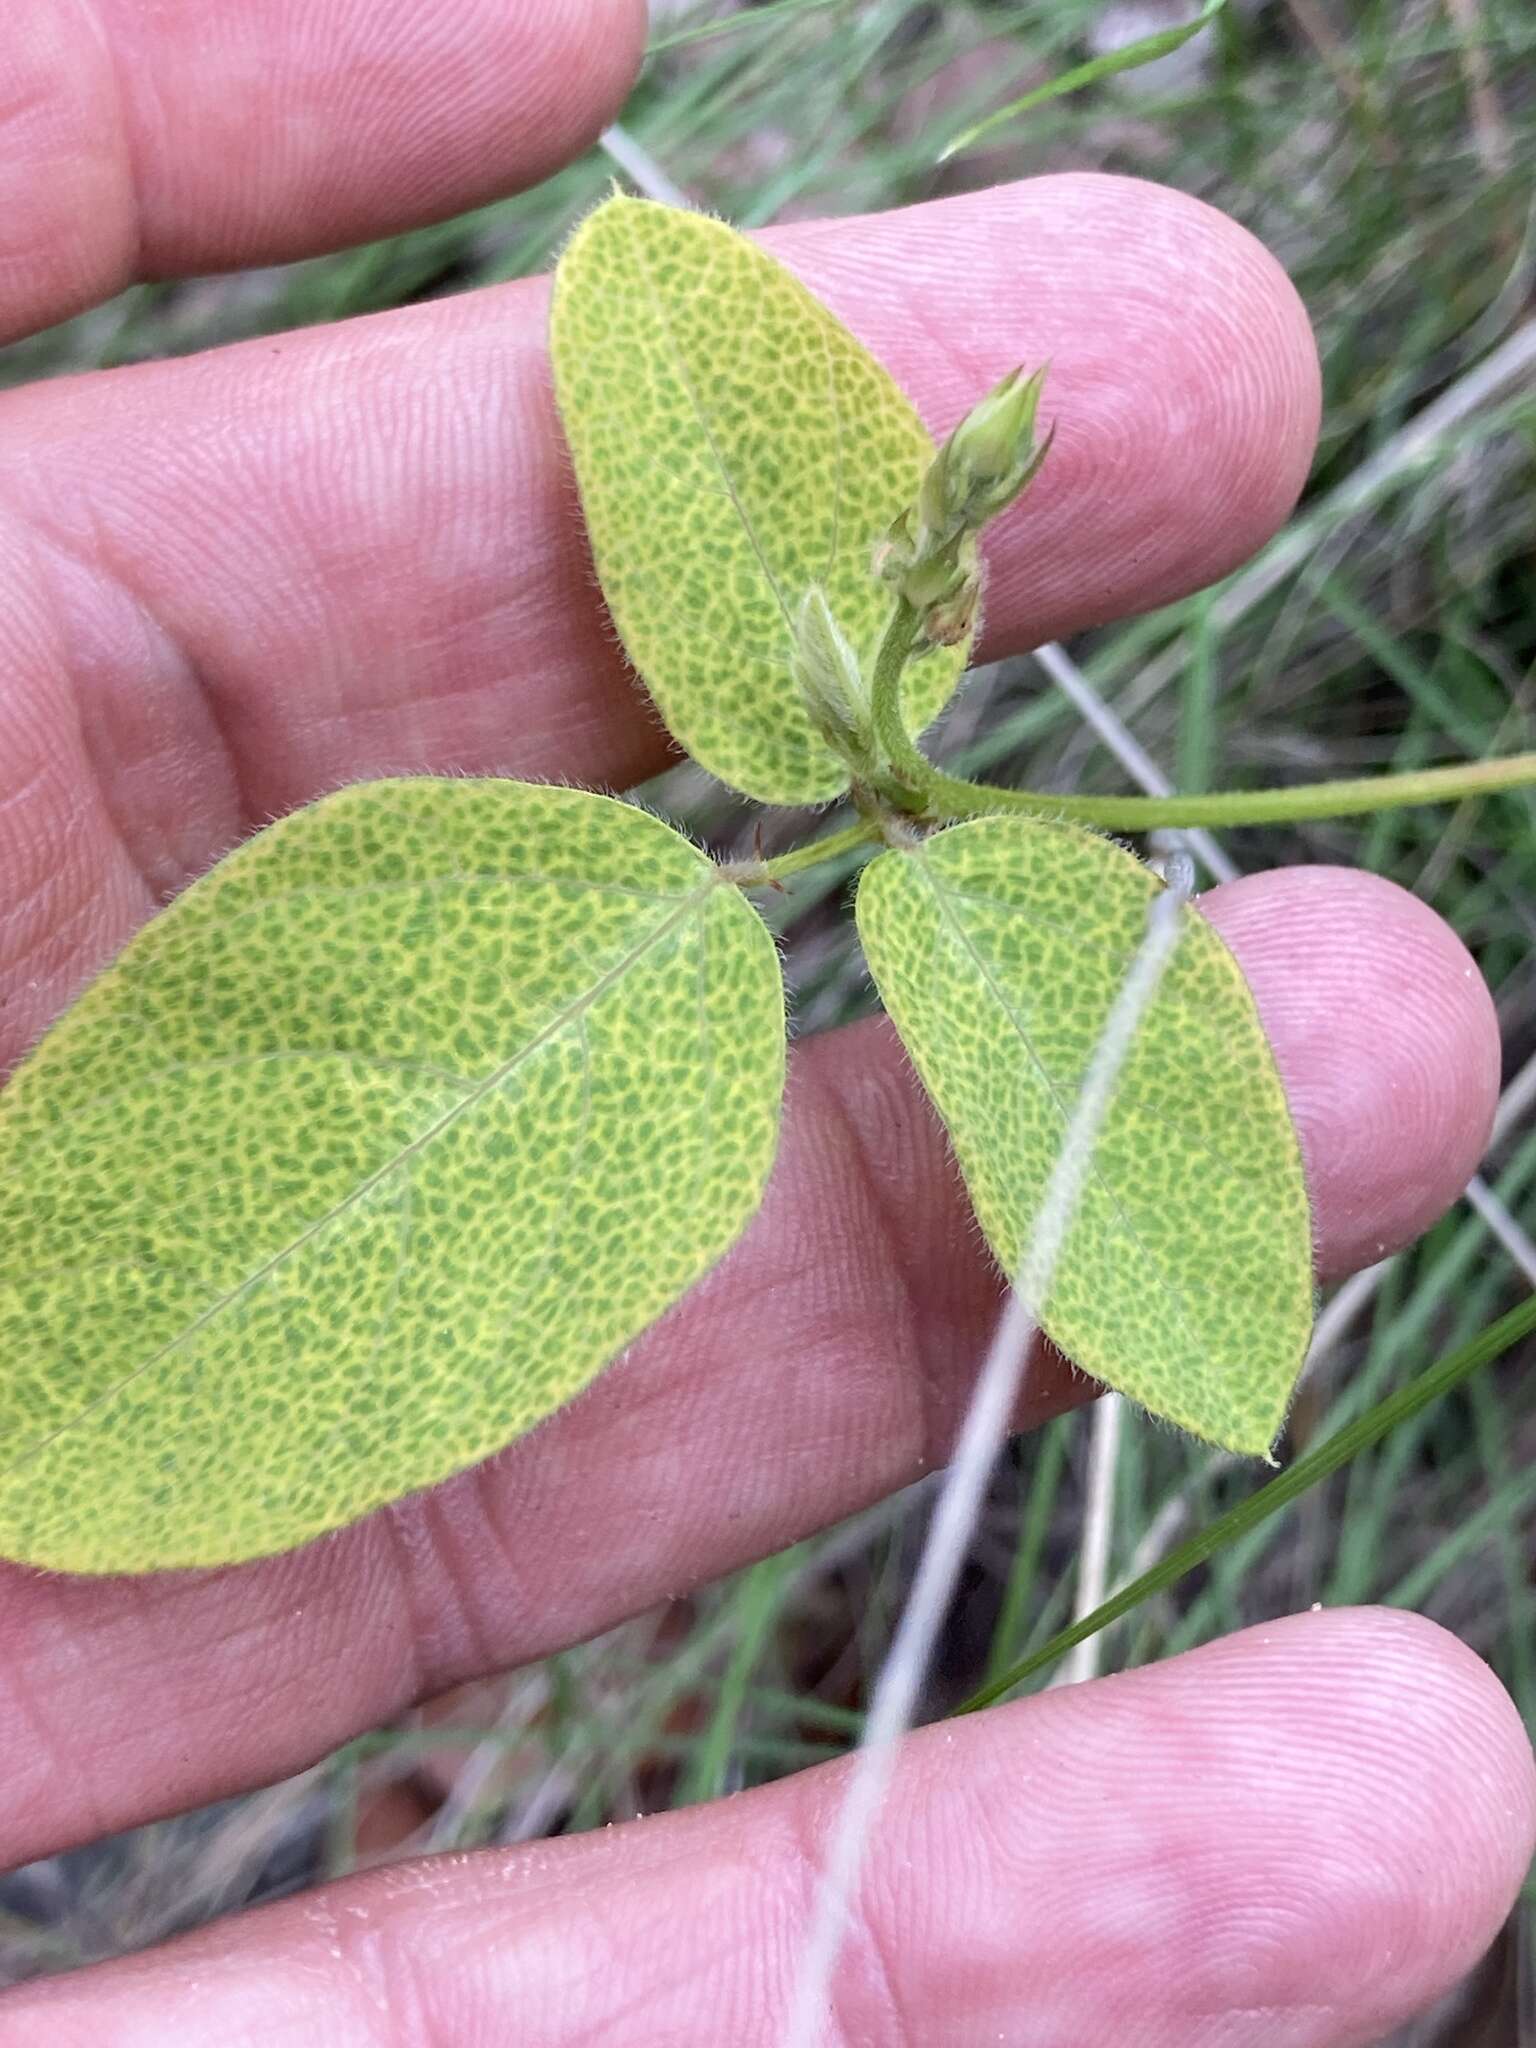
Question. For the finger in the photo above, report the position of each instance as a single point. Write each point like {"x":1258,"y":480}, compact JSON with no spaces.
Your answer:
{"x":135,"y":143}
{"x":824,"y":1364}
{"x":1418,"y":1118}
{"x":1303,"y":1834}
{"x":233,"y":582}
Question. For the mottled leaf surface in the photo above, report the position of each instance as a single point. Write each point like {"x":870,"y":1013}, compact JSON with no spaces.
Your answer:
{"x":365,"y":1156}
{"x":734,"y":445}
{"x":1186,"y":1277}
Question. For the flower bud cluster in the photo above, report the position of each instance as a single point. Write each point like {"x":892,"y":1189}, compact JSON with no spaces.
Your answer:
{"x":929,"y":555}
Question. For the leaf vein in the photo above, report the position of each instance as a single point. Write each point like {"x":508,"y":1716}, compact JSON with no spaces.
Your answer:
{"x":404,"y":1157}
{"x":701,"y":414}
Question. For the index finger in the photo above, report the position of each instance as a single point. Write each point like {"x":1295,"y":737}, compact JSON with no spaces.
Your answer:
{"x":144,"y":141}
{"x":229,"y":583}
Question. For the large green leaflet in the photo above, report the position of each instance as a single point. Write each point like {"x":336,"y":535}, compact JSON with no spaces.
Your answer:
{"x":365,"y":1156}
{"x":1186,"y":1277}
{"x":734,"y":446}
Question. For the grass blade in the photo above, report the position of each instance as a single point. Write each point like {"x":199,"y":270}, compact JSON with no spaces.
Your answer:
{"x":1145,"y":50}
{"x":1280,"y":1493}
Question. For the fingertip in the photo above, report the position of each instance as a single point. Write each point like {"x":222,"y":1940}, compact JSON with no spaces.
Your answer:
{"x":1405,"y":1749}
{"x":1316,"y":1825}
{"x":1387,"y":1042}
{"x":1184,"y":381}
{"x":1204,"y":419}
{"x":1414,"y":1682}
{"x":601,"y":45}
{"x":300,"y":128}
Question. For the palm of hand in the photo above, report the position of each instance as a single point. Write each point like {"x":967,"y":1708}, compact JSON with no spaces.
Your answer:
{"x":229,"y":584}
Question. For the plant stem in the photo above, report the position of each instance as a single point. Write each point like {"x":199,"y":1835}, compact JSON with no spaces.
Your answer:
{"x":762,"y":874}
{"x":1321,"y":1463}
{"x":939,"y":796}
{"x":950,"y":796}
{"x":891,"y":735}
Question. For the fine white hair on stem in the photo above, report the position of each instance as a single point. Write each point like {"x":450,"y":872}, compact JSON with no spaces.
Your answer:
{"x":894,"y":1700}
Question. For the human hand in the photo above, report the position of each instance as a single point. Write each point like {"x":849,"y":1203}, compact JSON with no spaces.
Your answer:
{"x":227,"y":585}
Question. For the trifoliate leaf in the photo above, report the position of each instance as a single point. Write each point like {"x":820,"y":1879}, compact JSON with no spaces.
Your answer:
{"x":735,"y":447}
{"x":364,"y":1156}
{"x":1186,"y":1278}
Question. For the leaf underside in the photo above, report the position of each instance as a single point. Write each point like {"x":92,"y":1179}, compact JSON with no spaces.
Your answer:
{"x":365,"y":1156}
{"x":1186,"y":1278}
{"x":734,"y":445}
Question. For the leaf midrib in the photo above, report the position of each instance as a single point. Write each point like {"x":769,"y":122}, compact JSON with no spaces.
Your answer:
{"x":685,"y":375}
{"x":577,"y":1009}
{"x":1000,"y":996}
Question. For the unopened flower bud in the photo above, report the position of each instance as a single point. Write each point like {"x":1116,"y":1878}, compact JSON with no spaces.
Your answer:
{"x":997,"y":436}
{"x":986,"y":461}
{"x":827,"y":670}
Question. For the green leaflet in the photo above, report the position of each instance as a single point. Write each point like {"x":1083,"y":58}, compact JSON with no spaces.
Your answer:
{"x":1186,"y":1277}
{"x":365,"y":1156}
{"x":734,"y":445}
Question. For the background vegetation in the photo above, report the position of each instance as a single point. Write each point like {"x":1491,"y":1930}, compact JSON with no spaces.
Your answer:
{"x":1383,"y":148}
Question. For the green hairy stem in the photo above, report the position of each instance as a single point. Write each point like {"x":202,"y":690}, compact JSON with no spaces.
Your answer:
{"x":934,"y":794}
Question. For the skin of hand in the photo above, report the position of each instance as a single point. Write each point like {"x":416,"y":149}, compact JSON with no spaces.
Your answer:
{"x":231,"y":583}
